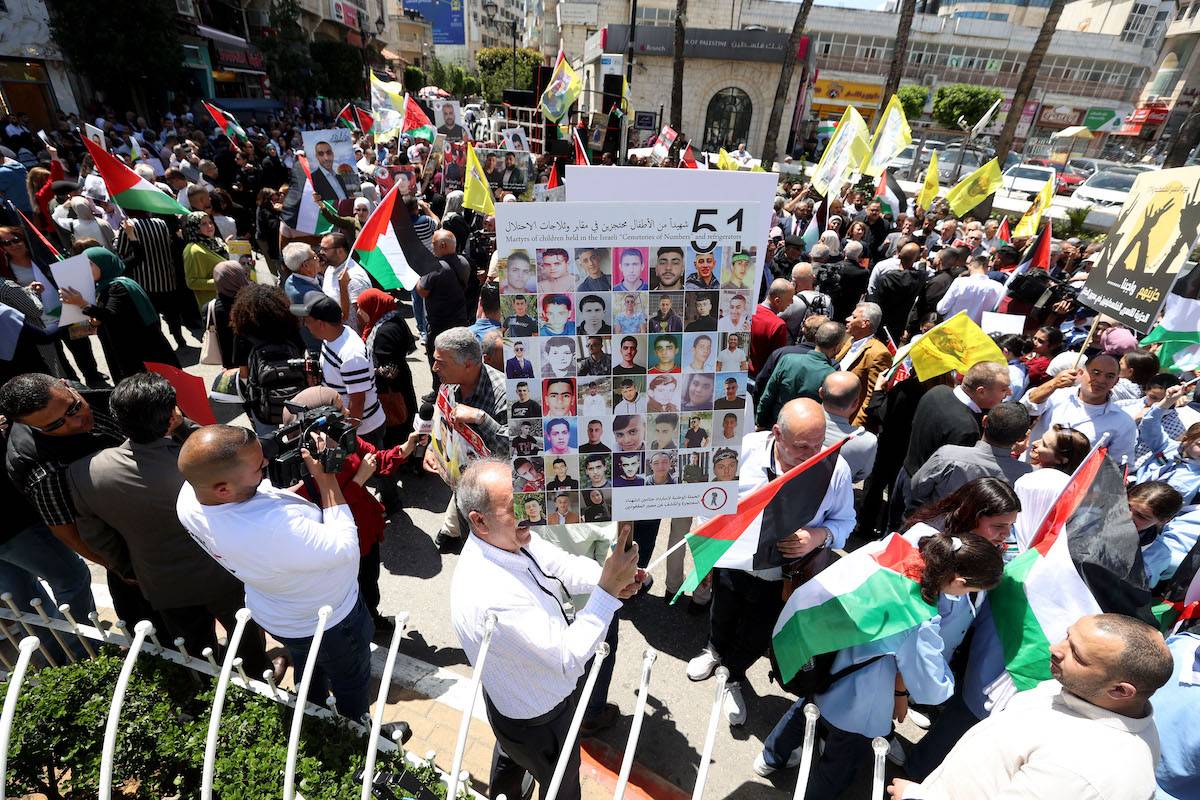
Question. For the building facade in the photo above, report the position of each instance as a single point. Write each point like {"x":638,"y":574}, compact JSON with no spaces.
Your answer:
{"x":33,"y":75}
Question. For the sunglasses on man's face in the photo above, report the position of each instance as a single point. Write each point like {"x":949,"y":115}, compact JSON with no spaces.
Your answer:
{"x":72,"y":410}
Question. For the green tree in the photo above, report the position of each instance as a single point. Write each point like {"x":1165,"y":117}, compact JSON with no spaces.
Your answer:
{"x":414,"y":79}
{"x":130,"y":50}
{"x":342,"y":65}
{"x":1028,"y":75}
{"x":455,"y":77}
{"x":496,"y":72}
{"x":437,"y":73}
{"x":471,"y":87}
{"x":962,"y":100}
{"x":912,"y":99}
{"x":285,"y":51}
{"x":771,"y":144}
{"x":899,"y":52}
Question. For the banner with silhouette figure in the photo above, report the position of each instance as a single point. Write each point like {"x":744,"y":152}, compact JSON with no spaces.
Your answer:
{"x":1146,"y":248}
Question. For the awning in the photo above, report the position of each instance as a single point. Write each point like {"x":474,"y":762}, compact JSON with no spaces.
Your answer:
{"x":220,"y":36}
{"x":232,"y":53}
{"x":1074,"y":132}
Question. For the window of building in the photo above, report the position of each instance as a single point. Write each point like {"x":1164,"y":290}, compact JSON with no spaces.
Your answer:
{"x":728,"y":119}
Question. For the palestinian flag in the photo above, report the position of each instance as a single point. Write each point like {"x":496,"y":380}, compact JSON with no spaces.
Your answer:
{"x":873,"y":593}
{"x":812,"y":232}
{"x":415,"y":123}
{"x":688,"y":160}
{"x":1004,"y":234}
{"x":890,"y":195}
{"x":300,"y":210}
{"x":747,"y":538}
{"x":581,"y":156}
{"x":553,"y":182}
{"x":388,"y":246}
{"x":1178,"y":332}
{"x":1036,"y":256}
{"x":128,"y":189}
{"x":225,"y":121}
{"x":355,"y":118}
{"x":1084,"y":559}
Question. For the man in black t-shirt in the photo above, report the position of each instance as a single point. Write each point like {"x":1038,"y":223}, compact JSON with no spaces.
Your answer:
{"x":695,"y":436}
{"x":525,"y":444}
{"x":444,"y":291}
{"x":519,"y":324}
{"x":561,"y":479}
{"x":595,"y":430}
{"x":628,"y":364}
{"x":730,"y":399}
{"x":524,"y":408}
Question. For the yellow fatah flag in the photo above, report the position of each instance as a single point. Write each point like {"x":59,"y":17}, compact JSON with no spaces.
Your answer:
{"x":626,"y":104}
{"x":476,"y":192}
{"x":724,"y":161}
{"x":846,"y":150}
{"x":1027,"y":225}
{"x":929,"y":191}
{"x":956,"y":344}
{"x":387,"y":107}
{"x":563,"y":89}
{"x":892,"y":135}
{"x":975,"y":188}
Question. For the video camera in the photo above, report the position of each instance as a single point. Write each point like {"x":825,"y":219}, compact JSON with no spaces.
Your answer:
{"x":282,"y":448}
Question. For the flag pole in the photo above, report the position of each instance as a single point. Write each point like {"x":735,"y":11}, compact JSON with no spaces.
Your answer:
{"x":663,"y":557}
{"x":1087,"y":341}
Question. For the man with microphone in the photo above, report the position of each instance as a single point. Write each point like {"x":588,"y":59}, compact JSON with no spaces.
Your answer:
{"x":540,"y":646}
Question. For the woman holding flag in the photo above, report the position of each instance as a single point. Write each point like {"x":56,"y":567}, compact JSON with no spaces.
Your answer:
{"x":855,"y":706}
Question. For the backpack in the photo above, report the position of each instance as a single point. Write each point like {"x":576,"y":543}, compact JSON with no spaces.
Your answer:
{"x":817,"y":676}
{"x":276,"y":375}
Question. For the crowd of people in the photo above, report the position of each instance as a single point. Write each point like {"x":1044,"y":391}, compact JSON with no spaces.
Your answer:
{"x":105,"y":467}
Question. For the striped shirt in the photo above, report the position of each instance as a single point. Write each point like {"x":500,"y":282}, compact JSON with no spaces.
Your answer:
{"x":150,"y":258}
{"x":347,"y":369}
{"x":424,"y":228}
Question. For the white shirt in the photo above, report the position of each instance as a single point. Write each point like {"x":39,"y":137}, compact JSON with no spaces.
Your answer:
{"x":359,"y":283}
{"x":292,"y":556}
{"x":334,"y":182}
{"x":836,"y":511}
{"x":1065,"y":408}
{"x":1049,"y":743}
{"x":347,"y":369}
{"x":886,"y":265}
{"x":852,"y":354}
{"x":730,"y":360}
{"x":974,"y":294}
{"x":535,"y":657}
{"x":637,"y":406}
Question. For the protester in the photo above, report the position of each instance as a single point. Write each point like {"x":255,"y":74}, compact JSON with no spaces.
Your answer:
{"x":389,"y":342}
{"x":203,"y":249}
{"x":985,"y":506}
{"x":839,"y":393}
{"x":768,"y":331}
{"x":800,"y":375}
{"x":863,"y":354}
{"x":1175,"y":463}
{"x":1088,"y":408}
{"x":1087,"y":733}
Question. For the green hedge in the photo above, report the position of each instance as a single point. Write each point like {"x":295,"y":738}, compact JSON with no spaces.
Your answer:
{"x":58,"y":733}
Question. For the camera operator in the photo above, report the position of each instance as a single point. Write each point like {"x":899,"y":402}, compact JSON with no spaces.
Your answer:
{"x":293,"y":556}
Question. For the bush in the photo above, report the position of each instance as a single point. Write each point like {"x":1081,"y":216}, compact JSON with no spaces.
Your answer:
{"x":414,"y":79}
{"x":962,"y":100}
{"x":495,"y":70}
{"x":58,"y":734}
{"x":912,"y":99}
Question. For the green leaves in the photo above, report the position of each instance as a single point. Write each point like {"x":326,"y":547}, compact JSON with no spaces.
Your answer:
{"x":912,"y":99}
{"x":962,"y":100}
{"x":58,"y":733}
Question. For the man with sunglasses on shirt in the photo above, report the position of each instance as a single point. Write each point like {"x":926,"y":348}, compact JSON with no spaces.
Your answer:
{"x":55,"y":423}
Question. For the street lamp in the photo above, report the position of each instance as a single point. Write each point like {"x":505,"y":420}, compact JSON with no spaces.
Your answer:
{"x":491,"y":8}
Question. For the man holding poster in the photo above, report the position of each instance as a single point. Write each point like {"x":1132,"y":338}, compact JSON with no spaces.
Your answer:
{"x":470,"y":419}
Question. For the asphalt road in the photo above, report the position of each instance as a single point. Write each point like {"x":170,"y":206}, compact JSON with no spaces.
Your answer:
{"x":416,"y":578}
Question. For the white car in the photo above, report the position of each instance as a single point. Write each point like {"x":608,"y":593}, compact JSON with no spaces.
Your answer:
{"x":1107,"y":188}
{"x":1028,"y":179}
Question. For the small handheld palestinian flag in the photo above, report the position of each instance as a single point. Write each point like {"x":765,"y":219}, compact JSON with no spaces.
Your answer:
{"x":748,"y":539}
{"x":1004,"y":234}
{"x":688,"y":160}
{"x":889,"y":194}
{"x":128,"y":189}
{"x":416,"y":124}
{"x":355,"y":118}
{"x":388,"y":246}
{"x":226,"y":122}
{"x":581,"y":156}
{"x":553,"y":182}
{"x":812,"y":231}
{"x":1178,"y":332}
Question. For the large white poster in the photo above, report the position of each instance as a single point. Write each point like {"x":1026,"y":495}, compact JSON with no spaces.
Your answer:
{"x":626,"y":331}
{"x":331,"y":160}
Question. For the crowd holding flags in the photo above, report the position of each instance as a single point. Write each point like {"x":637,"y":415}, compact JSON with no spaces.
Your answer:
{"x":975,"y":188}
{"x":227,"y":123}
{"x":355,"y":118}
{"x":389,"y":249}
{"x":128,"y":189}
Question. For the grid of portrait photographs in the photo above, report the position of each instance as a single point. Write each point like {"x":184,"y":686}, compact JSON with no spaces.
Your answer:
{"x":626,"y":367}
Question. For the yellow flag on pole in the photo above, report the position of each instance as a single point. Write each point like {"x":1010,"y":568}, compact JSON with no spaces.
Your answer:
{"x":1027,"y":225}
{"x":892,"y":135}
{"x":975,"y":188}
{"x":724,"y":161}
{"x":387,"y":107}
{"x":850,"y":144}
{"x":956,"y":344}
{"x":476,"y":192}
{"x":563,"y":89}
{"x":929,"y":191}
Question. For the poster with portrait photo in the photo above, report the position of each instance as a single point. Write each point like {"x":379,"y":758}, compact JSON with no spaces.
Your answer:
{"x":530,"y":508}
{"x":507,"y":171}
{"x":627,"y":350}
{"x":597,"y":505}
{"x":562,"y":473}
{"x":447,"y":120}
{"x":454,"y":166}
{"x":515,"y":139}
{"x":522,"y":357}
{"x":524,"y":400}
{"x":528,"y":474}
{"x":525,"y":436}
{"x":518,"y":317}
{"x":331,"y":161}
{"x":730,"y":393}
{"x":727,"y":428}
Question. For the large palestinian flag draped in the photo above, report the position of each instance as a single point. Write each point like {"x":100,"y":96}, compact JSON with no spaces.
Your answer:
{"x":226,"y":122}
{"x":1084,"y":559}
{"x":128,"y":189}
{"x":873,"y":593}
{"x":1178,"y":333}
{"x":747,"y":539}
{"x":300,"y":210}
{"x":388,"y":247}
{"x":889,"y":194}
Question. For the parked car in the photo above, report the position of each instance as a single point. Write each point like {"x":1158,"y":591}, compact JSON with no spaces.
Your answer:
{"x":1107,"y":188}
{"x":904,"y":159}
{"x":1026,"y":180}
{"x":971,"y":160}
{"x":1067,"y":181}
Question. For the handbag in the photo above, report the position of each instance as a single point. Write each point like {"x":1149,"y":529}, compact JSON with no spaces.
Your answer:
{"x":210,"y":345}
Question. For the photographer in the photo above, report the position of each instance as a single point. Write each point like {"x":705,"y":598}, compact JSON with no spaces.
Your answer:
{"x":293,"y":556}
{"x":369,"y":515}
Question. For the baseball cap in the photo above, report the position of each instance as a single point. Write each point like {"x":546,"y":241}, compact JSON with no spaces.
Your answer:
{"x":741,"y":255}
{"x":319,"y":306}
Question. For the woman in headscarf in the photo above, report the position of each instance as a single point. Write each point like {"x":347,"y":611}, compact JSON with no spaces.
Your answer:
{"x":229,"y":278}
{"x":129,"y":328}
{"x":85,"y":222}
{"x":831,"y":240}
{"x":202,"y":251}
{"x":389,"y":342}
{"x":1054,"y":457}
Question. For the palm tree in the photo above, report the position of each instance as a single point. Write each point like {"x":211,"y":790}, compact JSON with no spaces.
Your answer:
{"x":1185,"y":139}
{"x":677,"y":68}
{"x":899,"y":51}
{"x":1028,"y":75}
{"x":771,"y":144}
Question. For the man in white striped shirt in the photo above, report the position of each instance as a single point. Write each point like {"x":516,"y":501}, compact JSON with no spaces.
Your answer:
{"x":541,"y":646}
